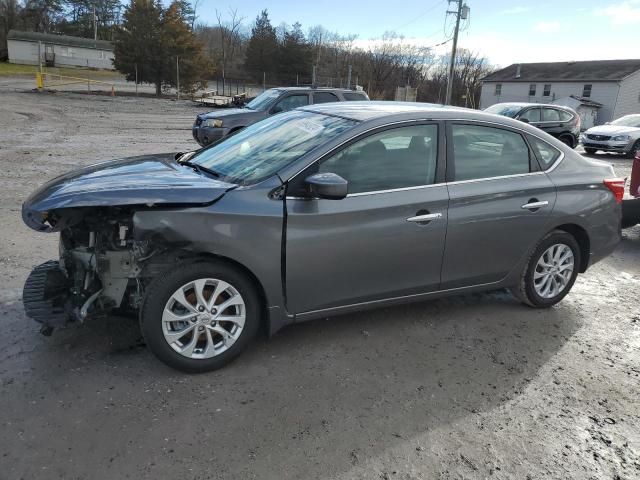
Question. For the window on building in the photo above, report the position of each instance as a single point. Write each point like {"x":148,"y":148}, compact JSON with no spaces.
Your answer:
{"x":532,"y":90}
{"x":547,"y":90}
{"x":586,"y":90}
{"x":498,"y":89}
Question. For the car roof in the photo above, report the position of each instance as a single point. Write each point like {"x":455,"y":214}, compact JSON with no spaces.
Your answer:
{"x":315,"y":89}
{"x":364,"y":111}
{"x":531,"y":104}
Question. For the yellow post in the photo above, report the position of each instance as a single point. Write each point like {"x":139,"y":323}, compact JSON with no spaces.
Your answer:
{"x":113,"y":91}
{"x":39,"y":80}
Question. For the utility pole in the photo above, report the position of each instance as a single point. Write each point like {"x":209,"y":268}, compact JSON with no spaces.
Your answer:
{"x":95,"y":24}
{"x":178,"y":76}
{"x":461,"y":13}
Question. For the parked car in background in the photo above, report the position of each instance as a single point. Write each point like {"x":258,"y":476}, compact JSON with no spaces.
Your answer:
{"x":212,"y":126}
{"x":558,"y":121}
{"x":323,"y":210}
{"x":620,"y":136}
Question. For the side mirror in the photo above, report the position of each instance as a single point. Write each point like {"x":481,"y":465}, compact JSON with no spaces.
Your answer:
{"x":524,"y":120}
{"x":276,"y":109}
{"x":327,"y":185}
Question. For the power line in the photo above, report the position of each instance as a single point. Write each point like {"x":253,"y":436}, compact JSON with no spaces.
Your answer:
{"x":422,"y":15}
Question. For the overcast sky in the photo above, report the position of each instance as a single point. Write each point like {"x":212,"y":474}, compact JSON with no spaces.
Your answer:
{"x":505,"y":31}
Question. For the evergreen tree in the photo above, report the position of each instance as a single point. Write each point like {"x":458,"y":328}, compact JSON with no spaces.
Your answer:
{"x":295,"y":56}
{"x":262,"y":49}
{"x":151,"y":38}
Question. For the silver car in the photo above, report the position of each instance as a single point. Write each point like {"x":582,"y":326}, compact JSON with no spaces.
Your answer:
{"x":315,"y":212}
{"x":620,"y":136}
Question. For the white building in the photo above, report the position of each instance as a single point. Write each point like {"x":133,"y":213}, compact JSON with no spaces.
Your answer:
{"x":59,"y":50}
{"x":614,"y":84}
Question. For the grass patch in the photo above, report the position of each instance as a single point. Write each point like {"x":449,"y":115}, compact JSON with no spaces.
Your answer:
{"x":11,"y":69}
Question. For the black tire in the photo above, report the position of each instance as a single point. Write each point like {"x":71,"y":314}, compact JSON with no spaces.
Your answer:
{"x":567,"y":140}
{"x":590,"y":151}
{"x":158,"y":293}
{"x":525,"y":290}
{"x":634,"y":149}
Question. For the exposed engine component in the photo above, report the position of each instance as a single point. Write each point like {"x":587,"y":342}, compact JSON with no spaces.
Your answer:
{"x":99,"y":269}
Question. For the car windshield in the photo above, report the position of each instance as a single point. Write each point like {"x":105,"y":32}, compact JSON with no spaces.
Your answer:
{"x":628,"y":121}
{"x":264,"y":100}
{"x":504,"y":109}
{"x":260,"y":150}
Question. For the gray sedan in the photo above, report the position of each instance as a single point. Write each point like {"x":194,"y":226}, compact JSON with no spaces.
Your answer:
{"x":320,"y":211}
{"x":620,"y":136}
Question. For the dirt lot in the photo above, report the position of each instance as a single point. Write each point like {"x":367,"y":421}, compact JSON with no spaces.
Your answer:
{"x":471,"y":387}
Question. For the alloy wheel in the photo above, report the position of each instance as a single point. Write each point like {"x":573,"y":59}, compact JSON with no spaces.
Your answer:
{"x":203,"y":318}
{"x":553,"y":270}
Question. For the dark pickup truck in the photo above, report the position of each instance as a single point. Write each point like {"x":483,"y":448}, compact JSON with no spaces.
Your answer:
{"x":217,"y":124}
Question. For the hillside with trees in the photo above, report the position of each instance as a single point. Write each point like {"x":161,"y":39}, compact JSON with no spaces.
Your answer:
{"x":237,"y":49}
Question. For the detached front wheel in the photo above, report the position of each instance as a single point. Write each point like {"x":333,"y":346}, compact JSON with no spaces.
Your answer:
{"x":551,"y":271}
{"x":200,"y":316}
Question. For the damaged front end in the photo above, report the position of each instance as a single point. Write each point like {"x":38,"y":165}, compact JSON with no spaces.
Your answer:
{"x":100,"y":265}
{"x":99,"y":269}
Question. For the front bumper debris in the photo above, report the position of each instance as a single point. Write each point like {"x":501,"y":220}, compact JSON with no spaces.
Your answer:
{"x":46,"y":296}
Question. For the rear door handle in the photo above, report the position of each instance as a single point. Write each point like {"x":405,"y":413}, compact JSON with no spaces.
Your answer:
{"x":428,"y":217}
{"x":534,"y":205}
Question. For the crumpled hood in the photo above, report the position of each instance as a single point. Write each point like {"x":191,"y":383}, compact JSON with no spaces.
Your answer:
{"x":145,"y":180}
{"x":612,"y":130}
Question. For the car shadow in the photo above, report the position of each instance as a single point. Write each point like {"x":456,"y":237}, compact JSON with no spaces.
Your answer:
{"x":311,"y":402}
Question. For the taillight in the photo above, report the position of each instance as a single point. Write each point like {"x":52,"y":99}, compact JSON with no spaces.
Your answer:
{"x":579,"y":123}
{"x":616,"y":185}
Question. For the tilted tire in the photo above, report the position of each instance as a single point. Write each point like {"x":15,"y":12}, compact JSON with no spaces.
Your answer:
{"x":550,"y":272}
{"x":634,"y":149}
{"x":200,"y":316}
{"x":590,"y":151}
{"x":567,"y":140}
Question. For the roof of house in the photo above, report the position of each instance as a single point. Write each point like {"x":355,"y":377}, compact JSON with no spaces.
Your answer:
{"x":66,"y":40}
{"x":592,"y":71}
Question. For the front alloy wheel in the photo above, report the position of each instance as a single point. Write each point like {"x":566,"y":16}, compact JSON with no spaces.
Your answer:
{"x":200,"y":316}
{"x":203,"y":318}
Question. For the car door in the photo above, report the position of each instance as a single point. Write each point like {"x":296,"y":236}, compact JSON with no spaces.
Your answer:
{"x":386,"y":238}
{"x":500,"y":203}
{"x":531,"y":116}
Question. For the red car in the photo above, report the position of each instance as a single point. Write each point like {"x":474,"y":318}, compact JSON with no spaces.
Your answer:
{"x":631,"y":204}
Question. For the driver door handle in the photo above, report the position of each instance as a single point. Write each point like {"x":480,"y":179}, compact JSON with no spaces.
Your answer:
{"x":425,"y":218}
{"x":534,"y":205}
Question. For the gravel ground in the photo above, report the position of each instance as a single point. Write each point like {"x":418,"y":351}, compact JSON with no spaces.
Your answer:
{"x":469,"y":387}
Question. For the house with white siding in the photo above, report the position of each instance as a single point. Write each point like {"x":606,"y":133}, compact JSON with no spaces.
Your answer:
{"x":613,"y":84}
{"x":32,"y":48}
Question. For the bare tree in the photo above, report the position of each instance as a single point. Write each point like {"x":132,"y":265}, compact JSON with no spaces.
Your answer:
{"x":229,"y":39}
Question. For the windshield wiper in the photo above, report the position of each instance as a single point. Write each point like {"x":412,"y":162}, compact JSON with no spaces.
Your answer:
{"x":199,"y":168}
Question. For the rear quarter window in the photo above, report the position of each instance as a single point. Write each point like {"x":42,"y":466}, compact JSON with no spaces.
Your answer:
{"x":565,"y":116}
{"x":354,"y":96}
{"x":545,"y":153}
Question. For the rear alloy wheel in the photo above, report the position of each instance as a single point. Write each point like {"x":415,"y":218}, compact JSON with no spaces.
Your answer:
{"x":567,"y":140}
{"x":199,"y":317}
{"x":551,"y":271}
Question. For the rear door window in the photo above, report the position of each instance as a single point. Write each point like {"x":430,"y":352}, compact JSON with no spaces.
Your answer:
{"x":324,"y":97}
{"x":550,"y":115}
{"x":483,"y":152}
